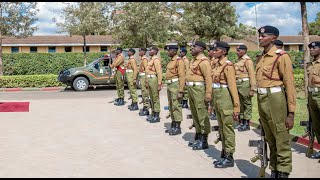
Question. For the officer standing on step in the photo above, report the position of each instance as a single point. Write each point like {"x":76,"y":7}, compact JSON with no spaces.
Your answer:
{"x":175,"y":79}
{"x":246,"y":85}
{"x":276,"y":100}
{"x":226,"y":102}
{"x":199,"y":81}
{"x":119,"y":76}
{"x":154,"y":84}
{"x":144,"y":91}
{"x":132,"y":72}
{"x":313,"y":69}
{"x":183,"y":55}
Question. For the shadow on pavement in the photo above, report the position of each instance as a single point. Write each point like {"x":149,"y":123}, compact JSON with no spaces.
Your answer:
{"x":249,"y":169}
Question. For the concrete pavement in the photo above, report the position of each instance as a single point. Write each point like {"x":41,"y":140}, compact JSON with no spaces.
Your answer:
{"x":89,"y":137}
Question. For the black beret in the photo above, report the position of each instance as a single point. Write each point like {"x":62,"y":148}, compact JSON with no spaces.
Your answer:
{"x":278,"y":42}
{"x":314,"y":44}
{"x":154,"y":48}
{"x":172,"y":47}
{"x":211,"y":48}
{"x":201,"y":44}
{"x":221,"y":44}
{"x":242,"y":46}
{"x":268,"y":30}
{"x":143,"y":49}
{"x":183,"y":49}
{"x":119,"y":48}
{"x":132,"y":50}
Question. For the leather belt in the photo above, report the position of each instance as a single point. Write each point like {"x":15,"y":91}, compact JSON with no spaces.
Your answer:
{"x":129,"y":70}
{"x":142,"y":74}
{"x":272,"y":90}
{"x":194,"y":83}
{"x":151,"y":75}
{"x":172,"y":80}
{"x":218,"y":85}
{"x":242,"y":79}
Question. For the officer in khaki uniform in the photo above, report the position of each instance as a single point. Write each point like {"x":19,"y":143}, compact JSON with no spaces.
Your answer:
{"x":213,"y":61}
{"x":119,"y":76}
{"x":246,"y":85}
{"x":175,"y":80}
{"x":144,"y":91}
{"x":154,"y":84}
{"x":278,"y":44}
{"x":276,"y":100}
{"x":226,"y":102}
{"x":132,"y":72}
{"x":198,"y":81}
{"x":183,"y":55}
{"x":313,"y":70}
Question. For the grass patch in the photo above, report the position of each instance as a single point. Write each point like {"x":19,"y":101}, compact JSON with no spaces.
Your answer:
{"x":300,"y":114}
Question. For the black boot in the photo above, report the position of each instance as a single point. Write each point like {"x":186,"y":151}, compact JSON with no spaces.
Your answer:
{"x":144,"y":112}
{"x":274,"y":174}
{"x":222,"y":155}
{"x":156,"y":118}
{"x":130,"y":106}
{"x":238,"y":125}
{"x":134,"y":107}
{"x":196,"y":139}
{"x":203,"y":143}
{"x":227,"y":161}
{"x":245,"y":126}
{"x":176,"y":130}
{"x":116,"y":101}
{"x":120,"y":102}
{"x":185,"y":104}
{"x":283,"y":175}
{"x":173,"y":125}
{"x":150,"y":117}
{"x":316,"y":155}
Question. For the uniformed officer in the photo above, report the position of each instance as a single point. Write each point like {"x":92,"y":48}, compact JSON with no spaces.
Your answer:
{"x":313,"y":70}
{"x":119,"y":76}
{"x":198,"y":80}
{"x":246,"y":85}
{"x":278,"y":44}
{"x":276,"y":100}
{"x":183,"y":55}
{"x":144,"y":91}
{"x":154,"y":84}
{"x":175,"y":80}
{"x":213,"y":61}
{"x":226,"y":102}
{"x":132,"y":72}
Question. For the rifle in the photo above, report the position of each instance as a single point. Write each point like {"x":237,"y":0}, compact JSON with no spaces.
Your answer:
{"x":309,"y":132}
{"x":216,"y":128}
{"x":262,"y":152}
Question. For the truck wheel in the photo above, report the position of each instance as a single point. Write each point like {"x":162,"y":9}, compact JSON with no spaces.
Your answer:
{"x":80,"y":84}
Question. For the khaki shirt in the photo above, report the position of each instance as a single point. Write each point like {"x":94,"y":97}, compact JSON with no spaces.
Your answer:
{"x":313,"y":70}
{"x":227,"y":76}
{"x":119,"y":61}
{"x":186,"y":62}
{"x":154,"y":67}
{"x":200,"y":71}
{"x":132,"y":64}
{"x":176,"y":69}
{"x":245,"y":69}
{"x":282,"y":74}
{"x":143,"y":64}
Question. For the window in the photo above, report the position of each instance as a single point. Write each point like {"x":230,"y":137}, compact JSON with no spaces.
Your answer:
{"x":52,"y":49}
{"x":14,"y":49}
{"x":33,"y":49}
{"x":67,"y":49}
{"x":103,"y":49}
{"x":300,"y":48}
{"x":286,"y":48}
{"x":87,"y":49}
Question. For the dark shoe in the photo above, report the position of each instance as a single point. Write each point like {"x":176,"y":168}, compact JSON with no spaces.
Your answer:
{"x":274,"y":174}
{"x":316,"y":155}
{"x":213,"y":116}
{"x":134,"y":107}
{"x":222,"y":155}
{"x":283,"y":175}
{"x":185,"y":104}
{"x":150,"y":117}
{"x":172,"y":127}
{"x":196,"y":139}
{"x":129,"y":106}
{"x":245,"y":126}
{"x":156,"y":118}
{"x":116,"y":101}
{"x":176,"y":130}
{"x":226,"y":162}
{"x":237,"y":125}
{"x":203,"y":143}
{"x":120,"y":102}
{"x":144,"y":112}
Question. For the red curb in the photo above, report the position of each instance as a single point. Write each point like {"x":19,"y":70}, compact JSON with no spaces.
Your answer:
{"x":50,"y":89}
{"x":12,"y":89}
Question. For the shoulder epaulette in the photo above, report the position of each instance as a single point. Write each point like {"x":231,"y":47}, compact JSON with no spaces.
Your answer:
{"x":280,"y":51}
{"x":178,"y":58}
{"x":229,"y":62}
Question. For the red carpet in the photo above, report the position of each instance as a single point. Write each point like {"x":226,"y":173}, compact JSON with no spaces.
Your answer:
{"x":14,"y":106}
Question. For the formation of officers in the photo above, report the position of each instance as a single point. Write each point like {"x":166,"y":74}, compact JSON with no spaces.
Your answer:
{"x":228,"y":88}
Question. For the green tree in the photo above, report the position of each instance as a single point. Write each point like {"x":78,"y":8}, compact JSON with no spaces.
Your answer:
{"x":85,"y":18}
{"x":314,"y":27}
{"x":142,"y":24}
{"x":16,"y":19}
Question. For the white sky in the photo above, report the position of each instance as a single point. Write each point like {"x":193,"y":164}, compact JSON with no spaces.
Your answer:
{"x":286,"y":16}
